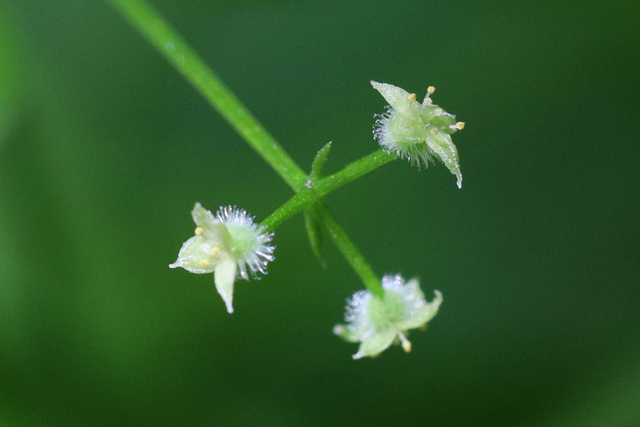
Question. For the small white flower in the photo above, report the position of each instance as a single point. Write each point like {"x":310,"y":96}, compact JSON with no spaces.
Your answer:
{"x":376,"y":322}
{"x":227,"y":244}
{"x":417,"y":132}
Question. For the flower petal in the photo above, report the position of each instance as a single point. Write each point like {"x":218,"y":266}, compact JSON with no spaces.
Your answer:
{"x":424,"y":314}
{"x":225,"y":276}
{"x":376,"y":343}
{"x":399,"y":99}
{"x":344,"y":332}
{"x":196,"y":256}
{"x":413,"y":290}
{"x":442,"y":146}
{"x":202,"y":217}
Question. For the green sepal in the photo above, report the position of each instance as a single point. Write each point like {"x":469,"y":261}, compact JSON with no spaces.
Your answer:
{"x":314,"y":231}
{"x":319,"y":161}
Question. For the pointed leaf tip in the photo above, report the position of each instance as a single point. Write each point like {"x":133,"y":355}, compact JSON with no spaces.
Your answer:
{"x":320,"y":160}
{"x":314,"y":232}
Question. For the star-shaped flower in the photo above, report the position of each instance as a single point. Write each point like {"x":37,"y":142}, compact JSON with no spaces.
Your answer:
{"x":376,"y":322}
{"x":417,"y":132}
{"x":227,"y":244}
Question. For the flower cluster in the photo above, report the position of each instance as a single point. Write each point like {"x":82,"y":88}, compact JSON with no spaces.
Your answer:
{"x":417,"y":132}
{"x":230,"y":245}
{"x":227,"y":244}
{"x":377,"y":322}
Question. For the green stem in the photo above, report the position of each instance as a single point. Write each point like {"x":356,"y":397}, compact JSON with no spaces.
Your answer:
{"x":352,"y":171}
{"x":307,"y":196}
{"x":349,"y":250}
{"x":295,"y":204}
{"x":171,"y":45}
{"x":324,"y":186}
{"x":340,"y":238}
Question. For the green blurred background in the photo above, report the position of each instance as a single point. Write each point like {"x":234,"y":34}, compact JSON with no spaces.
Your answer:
{"x":104,"y":149}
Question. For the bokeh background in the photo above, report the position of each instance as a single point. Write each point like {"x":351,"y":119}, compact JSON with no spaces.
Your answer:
{"x":104,"y":149}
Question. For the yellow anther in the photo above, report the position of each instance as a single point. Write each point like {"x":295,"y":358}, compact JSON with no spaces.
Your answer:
{"x":431,"y":89}
{"x":204,"y":262}
{"x":460,"y":125}
{"x":412,"y":96}
{"x":406,"y":344}
{"x":215,"y":250}
{"x":199,"y":231}
{"x":434,"y":131}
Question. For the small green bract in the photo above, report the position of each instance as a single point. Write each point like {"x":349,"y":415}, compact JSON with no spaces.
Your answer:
{"x":376,"y":322}
{"x":417,"y":132}
{"x":227,"y":244}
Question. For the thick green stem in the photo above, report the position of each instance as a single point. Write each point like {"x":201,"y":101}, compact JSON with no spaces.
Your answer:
{"x":171,"y":45}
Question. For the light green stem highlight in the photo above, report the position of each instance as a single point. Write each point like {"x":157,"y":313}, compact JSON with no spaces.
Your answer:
{"x":171,"y":45}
